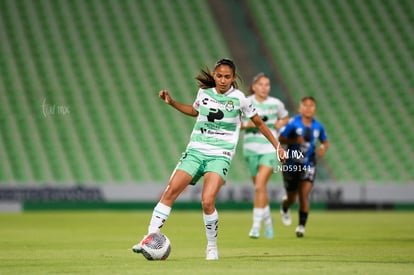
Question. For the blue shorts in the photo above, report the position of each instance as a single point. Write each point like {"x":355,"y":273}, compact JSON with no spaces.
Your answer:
{"x":296,"y":174}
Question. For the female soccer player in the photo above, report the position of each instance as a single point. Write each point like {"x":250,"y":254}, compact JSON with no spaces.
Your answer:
{"x":259,"y":152}
{"x":301,"y":134}
{"x":218,"y":107}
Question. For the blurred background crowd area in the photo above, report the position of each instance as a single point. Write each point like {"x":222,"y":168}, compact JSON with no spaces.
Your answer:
{"x":79,"y":82}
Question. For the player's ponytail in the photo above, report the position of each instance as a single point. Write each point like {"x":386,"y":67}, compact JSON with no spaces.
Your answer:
{"x":205,"y":79}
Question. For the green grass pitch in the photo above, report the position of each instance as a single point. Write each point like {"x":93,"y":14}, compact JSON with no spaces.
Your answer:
{"x":99,"y":242}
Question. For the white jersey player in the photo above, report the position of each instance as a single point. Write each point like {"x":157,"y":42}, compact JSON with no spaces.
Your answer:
{"x":259,"y":153}
{"x":218,"y":107}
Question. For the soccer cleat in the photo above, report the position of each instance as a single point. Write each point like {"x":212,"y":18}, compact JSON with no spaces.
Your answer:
{"x":300,"y":231}
{"x":212,"y":253}
{"x":138,"y":247}
{"x":269,"y":233}
{"x":254,"y":233}
{"x":286,"y":219}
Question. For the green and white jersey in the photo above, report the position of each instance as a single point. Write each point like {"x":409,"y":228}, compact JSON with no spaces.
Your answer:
{"x":270,"y":110}
{"x":217,"y":129}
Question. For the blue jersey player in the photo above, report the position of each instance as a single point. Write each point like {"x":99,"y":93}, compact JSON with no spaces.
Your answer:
{"x":301,"y":135}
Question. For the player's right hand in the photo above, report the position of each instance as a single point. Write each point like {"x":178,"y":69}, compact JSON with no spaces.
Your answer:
{"x":165,"y":95}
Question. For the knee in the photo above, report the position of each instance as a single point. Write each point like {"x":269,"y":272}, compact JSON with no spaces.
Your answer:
{"x":290,"y":199}
{"x":208,"y":204}
{"x":260,"y":188}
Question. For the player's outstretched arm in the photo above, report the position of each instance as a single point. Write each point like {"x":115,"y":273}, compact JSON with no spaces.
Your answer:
{"x":322,"y":149}
{"x":268,"y":134}
{"x":183,"y":108}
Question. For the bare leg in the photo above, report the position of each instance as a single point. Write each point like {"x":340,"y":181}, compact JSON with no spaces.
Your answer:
{"x":260,"y":183}
{"x":178,"y":182}
{"x":290,"y":199}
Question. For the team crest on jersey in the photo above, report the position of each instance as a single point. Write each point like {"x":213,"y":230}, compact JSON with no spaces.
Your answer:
{"x":229,"y":106}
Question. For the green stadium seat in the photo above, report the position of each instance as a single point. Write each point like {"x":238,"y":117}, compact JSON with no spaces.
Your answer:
{"x":366,"y":53}
{"x":107,"y":60}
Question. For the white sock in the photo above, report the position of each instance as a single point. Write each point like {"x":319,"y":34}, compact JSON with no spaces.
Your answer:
{"x":266,"y":215}
{"x":211,"y":224}
{"x":159,"y":216}
{"x":257,"y":217}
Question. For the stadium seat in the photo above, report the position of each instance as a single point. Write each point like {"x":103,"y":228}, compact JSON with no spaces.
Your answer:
{"x":106,"y":61}
{"x":365,"y":46}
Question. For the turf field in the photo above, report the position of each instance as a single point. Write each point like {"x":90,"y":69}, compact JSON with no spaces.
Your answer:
{"x":99,"y":243}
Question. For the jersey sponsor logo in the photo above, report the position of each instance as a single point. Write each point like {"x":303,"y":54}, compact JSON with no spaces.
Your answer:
{"x":215,"y":114}
{"x":229,"y":106}
{"x":211,"y":132}
{"x":212,"y":100}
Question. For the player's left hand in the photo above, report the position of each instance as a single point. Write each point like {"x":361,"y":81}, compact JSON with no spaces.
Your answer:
{"x":321,"y":151}
{"x":281,"y":153}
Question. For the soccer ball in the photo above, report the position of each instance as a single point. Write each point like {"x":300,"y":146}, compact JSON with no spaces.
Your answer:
{"x":156,"y":246}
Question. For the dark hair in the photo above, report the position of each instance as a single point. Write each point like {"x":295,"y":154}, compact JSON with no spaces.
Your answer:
{"x":205,"y":78}
{"x":226,"y":61}
{"x":255,"y":79}
{"x":308,"y":98}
